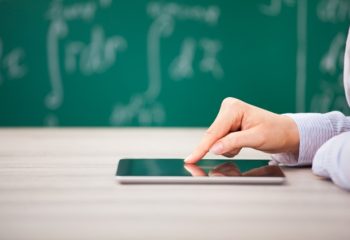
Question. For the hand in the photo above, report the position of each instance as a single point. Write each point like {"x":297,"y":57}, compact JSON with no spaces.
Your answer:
{"x":239,"y":125}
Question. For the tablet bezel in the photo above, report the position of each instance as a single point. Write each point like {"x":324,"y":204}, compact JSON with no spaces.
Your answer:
{"x":197,"y":179}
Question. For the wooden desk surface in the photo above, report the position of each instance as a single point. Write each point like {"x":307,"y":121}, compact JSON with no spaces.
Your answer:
{"x":59,"y":184}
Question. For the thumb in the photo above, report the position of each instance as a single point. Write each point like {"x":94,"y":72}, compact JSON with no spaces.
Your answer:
{"x":237,"y":140}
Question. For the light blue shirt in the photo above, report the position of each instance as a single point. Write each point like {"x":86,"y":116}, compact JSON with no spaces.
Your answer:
{"x":324,"y":139}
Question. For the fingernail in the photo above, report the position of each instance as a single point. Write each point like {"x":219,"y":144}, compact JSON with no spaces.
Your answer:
{"x":188,"y":158}
{"x":218,"y":148}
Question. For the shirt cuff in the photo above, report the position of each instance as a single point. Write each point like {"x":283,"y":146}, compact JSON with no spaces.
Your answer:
{"x":314,"y":130}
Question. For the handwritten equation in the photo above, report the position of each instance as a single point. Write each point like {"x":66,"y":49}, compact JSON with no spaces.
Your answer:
{"x":87,"y":58}
{"x":102,"y":52}
{"x":145,"y":107}
{"x":331,"y":95}
{"x":80,"y":43}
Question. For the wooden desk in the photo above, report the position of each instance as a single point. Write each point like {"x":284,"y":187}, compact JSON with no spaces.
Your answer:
{"x":59,"y":184}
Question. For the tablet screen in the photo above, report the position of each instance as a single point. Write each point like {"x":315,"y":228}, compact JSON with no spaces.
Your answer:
{"x":207,"y":167}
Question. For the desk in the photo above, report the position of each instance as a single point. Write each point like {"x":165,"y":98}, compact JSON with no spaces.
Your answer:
{"x":59,"y":184}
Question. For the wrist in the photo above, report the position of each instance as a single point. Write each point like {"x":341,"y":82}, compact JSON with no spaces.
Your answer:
{"x":291,"y":134}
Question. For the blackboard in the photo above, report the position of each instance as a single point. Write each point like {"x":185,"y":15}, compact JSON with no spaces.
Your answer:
{"x":167,"y":63}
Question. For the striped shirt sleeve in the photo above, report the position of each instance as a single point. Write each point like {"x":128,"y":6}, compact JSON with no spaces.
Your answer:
{"x":314,"y":130}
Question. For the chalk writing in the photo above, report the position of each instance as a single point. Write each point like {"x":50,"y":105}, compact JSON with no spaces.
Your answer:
{"x":51,"y":120}
{"x":158,"y":45}
{"x":144,"y":107}
{"x":333,"y":59}
{"x":334,"y":11}
{"x":209,"y":62}
{"x":182,"y":66}
{"x":87,"y":58}
{"x":95,"y":57}
{"x":330,"y":95}
{"x":11,"y":63}
{"x":331,"y":90}
{"x":275,"y":7}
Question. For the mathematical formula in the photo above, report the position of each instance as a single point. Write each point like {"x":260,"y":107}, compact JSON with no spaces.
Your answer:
{"x":96,"y":50}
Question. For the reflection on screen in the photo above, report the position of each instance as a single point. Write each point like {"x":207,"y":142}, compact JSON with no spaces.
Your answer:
{"x":209,"y":168}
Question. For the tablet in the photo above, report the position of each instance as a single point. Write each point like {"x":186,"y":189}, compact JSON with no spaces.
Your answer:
{"x":207,"y":171}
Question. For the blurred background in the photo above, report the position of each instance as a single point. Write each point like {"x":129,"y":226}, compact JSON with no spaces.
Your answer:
{"x":167,"y":63}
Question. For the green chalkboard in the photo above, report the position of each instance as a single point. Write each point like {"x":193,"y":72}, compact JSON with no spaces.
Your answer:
{"x":166,"y":63}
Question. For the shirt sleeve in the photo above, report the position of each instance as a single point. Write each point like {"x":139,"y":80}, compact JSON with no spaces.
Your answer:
{"x":332,"y":160}
{"x":314,"y":130}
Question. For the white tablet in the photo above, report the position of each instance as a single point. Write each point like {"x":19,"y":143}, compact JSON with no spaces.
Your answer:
{"x":207,"y":171}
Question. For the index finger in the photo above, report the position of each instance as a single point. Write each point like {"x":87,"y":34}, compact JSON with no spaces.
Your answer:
{"x":224,"y":122}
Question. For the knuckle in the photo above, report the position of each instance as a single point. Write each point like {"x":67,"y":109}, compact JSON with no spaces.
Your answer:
{"x":230,"y":102}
